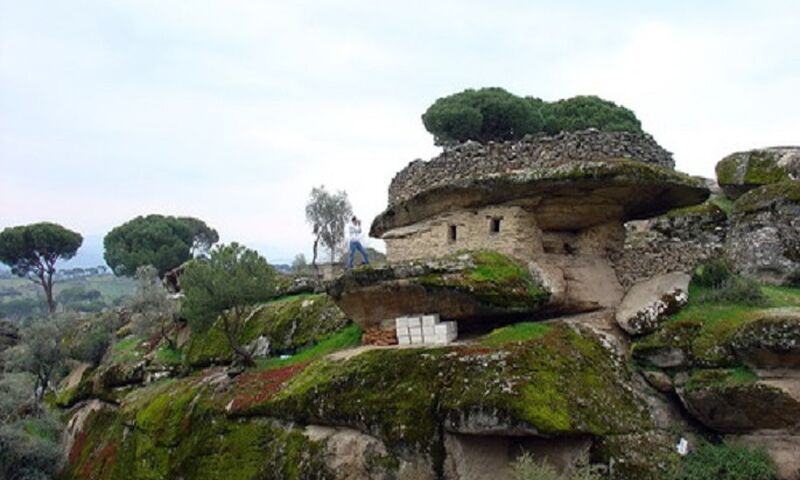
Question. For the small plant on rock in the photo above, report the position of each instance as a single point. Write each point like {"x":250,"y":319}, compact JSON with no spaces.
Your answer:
{"x":525,"y":467}
{"x":726,"y":462}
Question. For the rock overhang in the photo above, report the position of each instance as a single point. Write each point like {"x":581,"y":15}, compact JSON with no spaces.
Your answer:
{"x":593,"y":192}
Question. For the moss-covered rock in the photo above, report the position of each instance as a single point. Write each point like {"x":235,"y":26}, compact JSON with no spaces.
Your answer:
{"x":559,"y":383}
{"x":741,"y":172}
{"x":288,"y":324}
{"x":473,"y":285}
{"x":770,"y":341}
{"x":175,"y":429}
{"x":638,"y":456}
{"x":768,"y":196}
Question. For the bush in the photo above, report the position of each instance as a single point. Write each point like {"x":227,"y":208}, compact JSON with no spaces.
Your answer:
{"x":737,"y":290}
{"x":493,"y":114}
{"x":726,"y":462}
{"x":712,"y":274}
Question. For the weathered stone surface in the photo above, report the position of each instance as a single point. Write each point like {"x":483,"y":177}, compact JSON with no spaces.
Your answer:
{"x":472,"y":286}
{"x":647,"y":304}
{"x":659,"y":380}
{"x":742,"y":408}
{"x":741,"y":172}
{"x":764,"y":241}
{"x":680,"y":240}
{"x":770,"y":342}
{"x":663,"y":357}
{"x":615,"y":189}
{"x":472,"y":159}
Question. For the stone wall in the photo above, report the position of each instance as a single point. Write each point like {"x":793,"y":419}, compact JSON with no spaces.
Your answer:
{"x":474,"y":160}
{"x":670,"y":244}
{"x":519,"y":236}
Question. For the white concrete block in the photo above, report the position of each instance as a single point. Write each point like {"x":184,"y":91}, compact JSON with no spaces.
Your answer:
{"x":404,"y":340}
{"x":415,"y":330}
{"x":414,"y":322}
{"x":428,"y":331}
{"x":401,"y":331}
{"x":401,"y":322}
{"x":430,"y":320}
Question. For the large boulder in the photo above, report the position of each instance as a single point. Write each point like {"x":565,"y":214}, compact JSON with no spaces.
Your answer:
{"x":764,"y":241}
{"x":470,"y":287}
{"x":741,"y":172}
{"x":772,"y":341}
{"x":731,"y":401}
{"x":647,"y":304}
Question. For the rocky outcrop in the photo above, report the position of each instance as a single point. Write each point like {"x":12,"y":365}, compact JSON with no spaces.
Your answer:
{"x":647,"y":304}
{"x":764,"y":241}
{"x":741,"y":172}
{"x":472,"y":286}
{"x":629,"y":189}
{"x":472,"y":159}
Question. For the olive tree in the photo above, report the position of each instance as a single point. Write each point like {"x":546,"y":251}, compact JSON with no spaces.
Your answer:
{"x":33,"y":250}
{"x":162,"y":241}
{"x":220,"y":288}
{"x":328,"y":214}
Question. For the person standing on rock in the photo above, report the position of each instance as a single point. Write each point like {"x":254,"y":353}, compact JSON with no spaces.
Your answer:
{"x":355,"y":235}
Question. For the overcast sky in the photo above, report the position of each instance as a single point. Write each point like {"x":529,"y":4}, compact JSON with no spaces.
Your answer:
{"x":231,"y":111}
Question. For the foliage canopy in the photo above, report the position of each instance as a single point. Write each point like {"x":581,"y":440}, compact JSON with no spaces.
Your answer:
{"x":32,"y":251}
{"x":223,"y":286}
{"x":328,"y":214}
{"x":162,"y":241}
{"x":493,"y":114}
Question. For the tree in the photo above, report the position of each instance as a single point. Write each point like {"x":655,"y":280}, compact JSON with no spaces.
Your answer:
{"x":162,"y":241}
{"x":151,"y":308}
{"x":493,"y":114}
{"x":582,"y":112}
{"x":41,"y":352}
{"x":32,"y":251}
{"x":328,"y":214}
{"x":299,"y":264}
{"x":221,"y":287}
{"x":481,"y":115}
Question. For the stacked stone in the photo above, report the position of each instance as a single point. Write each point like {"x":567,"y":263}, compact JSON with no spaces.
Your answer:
{"x":471,"y":160}
{"x":424,"y":329}
{"x":379,"y":337}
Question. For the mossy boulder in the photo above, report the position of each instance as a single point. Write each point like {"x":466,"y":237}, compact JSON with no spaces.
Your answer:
{"x":727,"y":403}
{"x":741,"y":172}
{"x":175,"y":429}
{"x":559,"y":383}
{"x":287,"y":324}
{"x":469,"y":286}
{"x":770,"y":341}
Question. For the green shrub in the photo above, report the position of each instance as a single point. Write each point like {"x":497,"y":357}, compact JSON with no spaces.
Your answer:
{"x":493,"y":114}
{"x":712,"y":274}
{"x":735,"y":290}
{"x":726,"y":462}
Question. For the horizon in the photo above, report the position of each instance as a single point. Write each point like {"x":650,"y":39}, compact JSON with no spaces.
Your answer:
{"x":231,"y":112}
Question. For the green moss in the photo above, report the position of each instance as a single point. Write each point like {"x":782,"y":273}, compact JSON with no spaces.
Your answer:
{"x":726,"y":170}
{"x":496,"y":280}
{"x":705,"y":331}
{"x":127,"y":350}
{"x":750,"y":168}
{"x":765,"y":197}
{"x":720,"y":378}
{"x":517,"y":332}
{"x":558,"y":382}
{"x":347,"y":338}
{"x":168,"y":356}
{"x":290,"y":324}
{"x":175,"y":429}
{"x":708,"y":208}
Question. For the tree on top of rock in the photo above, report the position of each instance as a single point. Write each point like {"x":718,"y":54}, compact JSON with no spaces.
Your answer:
{"x":162,"y":241}
{"x":223,"y":286}
{"x":493,"y":114}
{"x":32,"y":251}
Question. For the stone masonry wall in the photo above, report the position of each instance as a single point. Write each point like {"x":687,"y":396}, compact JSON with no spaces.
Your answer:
{"x":519,"y":236}
{"x":474,"y":160}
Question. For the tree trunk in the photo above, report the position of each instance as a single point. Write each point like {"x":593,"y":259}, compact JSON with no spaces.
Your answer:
{"x":244,"y":355}
{"x":46,"y":281}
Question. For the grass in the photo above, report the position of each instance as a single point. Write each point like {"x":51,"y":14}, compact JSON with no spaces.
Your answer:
{"x":169,"y":356}
{"x":519,"y":332}
{"x":346,"y":338}
{"x":126,"y":349}
{"x":721,"y":378}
